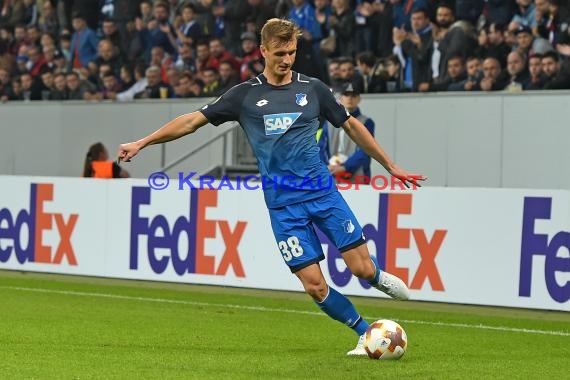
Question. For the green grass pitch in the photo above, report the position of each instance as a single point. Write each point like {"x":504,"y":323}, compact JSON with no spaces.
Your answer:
{"x":66,"y":327}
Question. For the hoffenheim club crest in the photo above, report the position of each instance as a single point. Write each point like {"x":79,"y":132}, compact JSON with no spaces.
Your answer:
{"x":301,"y":99}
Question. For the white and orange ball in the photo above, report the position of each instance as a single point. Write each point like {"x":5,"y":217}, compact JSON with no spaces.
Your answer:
{"x":385,"y":339}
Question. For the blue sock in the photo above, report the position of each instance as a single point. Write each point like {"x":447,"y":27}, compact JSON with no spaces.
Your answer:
{"x":338,"y":307}
{"x":376,"y":278}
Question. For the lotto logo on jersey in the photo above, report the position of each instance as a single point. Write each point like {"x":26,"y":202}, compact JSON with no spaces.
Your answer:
{"x":391,"y":239}
{"x":165,"y":241}
{"x":279,"y":123}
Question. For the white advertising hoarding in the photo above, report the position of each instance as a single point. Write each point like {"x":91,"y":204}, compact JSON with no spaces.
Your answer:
{"x":475,"y":246}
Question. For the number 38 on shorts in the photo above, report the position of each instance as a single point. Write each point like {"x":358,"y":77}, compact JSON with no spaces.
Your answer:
{"x":290,"y":248}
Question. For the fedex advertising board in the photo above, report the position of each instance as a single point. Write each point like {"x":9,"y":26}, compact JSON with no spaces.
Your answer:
{"x":477,"y":246}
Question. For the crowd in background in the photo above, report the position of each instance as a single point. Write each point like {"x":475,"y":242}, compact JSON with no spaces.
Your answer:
{"x":129,"y":49}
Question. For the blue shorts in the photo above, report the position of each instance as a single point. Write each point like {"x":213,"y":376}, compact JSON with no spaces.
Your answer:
{"x":294,"y":229}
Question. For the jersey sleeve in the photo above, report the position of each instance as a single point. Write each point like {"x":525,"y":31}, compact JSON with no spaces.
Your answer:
{"x":226,"y":107}
{"x":330,"y":107}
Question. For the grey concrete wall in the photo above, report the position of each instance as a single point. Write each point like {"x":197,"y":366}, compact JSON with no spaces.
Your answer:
{"x":476,"y":140}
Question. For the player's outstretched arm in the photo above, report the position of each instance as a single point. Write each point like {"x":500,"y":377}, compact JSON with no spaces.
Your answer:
{"x":361,"y":136}
{"x":174,"y":129}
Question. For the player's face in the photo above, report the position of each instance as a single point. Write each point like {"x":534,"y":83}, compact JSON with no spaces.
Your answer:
{"x":350,"y":101}
{"x":279,"y":57}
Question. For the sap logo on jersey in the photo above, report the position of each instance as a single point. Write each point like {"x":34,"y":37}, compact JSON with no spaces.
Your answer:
{"x":278,"y":123}
{"x":35,"y":221}
{"x":162,"y":239}
{"x":537,"y":211}
{"x":390,"y":207}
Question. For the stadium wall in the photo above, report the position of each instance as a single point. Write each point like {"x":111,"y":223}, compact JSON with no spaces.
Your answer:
{"x":458,"y":140}
{"x":502,"y":247}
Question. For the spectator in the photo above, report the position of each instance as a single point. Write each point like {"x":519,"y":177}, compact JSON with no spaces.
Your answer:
{"x":140,"y":84}
{"x":126,"y":76}
{"x":493,"y":77}
{"x":228,"y":77}
{"x":415,"y":48}
{"x":469,"y":10}
{"x":107,"y":54}
{"x":525,"y":14}
{"x":519,"y":76}
{"x":261,"y":11}
{"x":347,"y":157}
{"x":204,"y":16}
{"x":47,"y":84}
{"x":190,"y":31}
{"x":334,"y":74}
{"x":98,"y":165}
{"x":204,"y":60}
{"x":500,"y":11}
{"x":323,"y":11}
{"x":527,"y":44}
{"x":36,"y":61}
{"x":5,"y":85}
{"x":185,"y":61}
{"x":75,"y":89}
{"x":343,"y":25}
{"x":219,"y":53}
{"x":232,"y":15}
{"x":48,"y":22}
{"x":303,"y":15}
{"x":30,"y":89}
{"x":370,"y":69}
{"x":158,"y":32}
{"x":16,"y":89}
{"x":454,"y":75}
{"x":550,"y":66}
{"x":444,"y":18}
{"x":156,"y":88}
{"x":474,"y":76}
{"x":348,"y":74}
{"x":537,"y":77}
{"x":553,"y":26}
{"x":47,"y":41}
{"x":83,"y":43}
{"x":160,"y":59}
{"x":145,"y":11}
{"x":498,"y":47}
{"x":111,"y":86}
{"x":250,"y":54}
{"x":110,"y":32}
{"x":459,"y":41}
{"x":59,"y":91}
{"x":187,"y":87}
{"x":211,"y":82}
{"x":394,"y":75}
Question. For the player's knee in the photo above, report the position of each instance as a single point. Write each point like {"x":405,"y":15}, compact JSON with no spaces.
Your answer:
{"x":317,"y":290}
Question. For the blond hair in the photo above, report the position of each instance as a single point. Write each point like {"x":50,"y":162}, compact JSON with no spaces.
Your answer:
{"x":280,"y":30}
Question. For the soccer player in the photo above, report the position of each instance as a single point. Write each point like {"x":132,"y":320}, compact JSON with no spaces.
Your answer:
{"x":279,"y":111}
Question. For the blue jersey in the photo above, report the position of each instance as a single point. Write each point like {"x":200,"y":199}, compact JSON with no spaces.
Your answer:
{"x":281,"y":123}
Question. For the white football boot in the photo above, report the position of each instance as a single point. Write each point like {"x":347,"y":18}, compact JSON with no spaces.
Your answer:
{"x":393,"y":286}
{"x":359,"y":349}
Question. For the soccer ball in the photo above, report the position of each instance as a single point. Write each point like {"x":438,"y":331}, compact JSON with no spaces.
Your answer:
{"x":385,"y":339}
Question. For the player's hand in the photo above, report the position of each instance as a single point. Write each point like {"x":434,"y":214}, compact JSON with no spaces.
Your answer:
{"x":127,"y":151}
{"x":407,"y":178}
{"x":336,"y":169}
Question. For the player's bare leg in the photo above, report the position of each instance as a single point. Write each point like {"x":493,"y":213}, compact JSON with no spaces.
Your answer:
{"x":359,"y":262}
{"x":334,"y":304}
